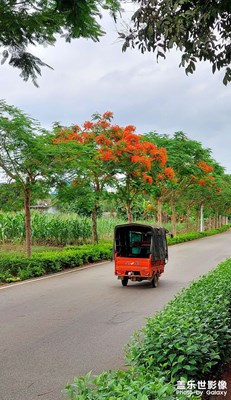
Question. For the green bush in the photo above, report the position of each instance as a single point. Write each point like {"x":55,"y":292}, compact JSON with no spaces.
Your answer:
{"x":20,"y":268}
{"x":186,"y":237}
{"x":190,"y":336}
{"x":133,"y":384}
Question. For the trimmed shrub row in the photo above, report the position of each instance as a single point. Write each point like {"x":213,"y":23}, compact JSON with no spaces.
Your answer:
{"x":20,"y":268}
{"x":190,"y":336}
{"x":186,"y":237}
{"x":184,"y":341}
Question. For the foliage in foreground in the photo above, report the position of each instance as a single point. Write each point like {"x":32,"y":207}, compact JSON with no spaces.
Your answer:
{"x":27,"y":23}
{"x":194,"y":27}
{"x":193,"y":329}
{"x":134,"y":384}
{"x":186,"y":340}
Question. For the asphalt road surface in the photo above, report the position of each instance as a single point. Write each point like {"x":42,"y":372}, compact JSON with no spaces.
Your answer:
{"x":55,"y":328}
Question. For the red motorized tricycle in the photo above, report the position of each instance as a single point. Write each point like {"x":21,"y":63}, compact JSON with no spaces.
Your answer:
{"x":140,"y":252}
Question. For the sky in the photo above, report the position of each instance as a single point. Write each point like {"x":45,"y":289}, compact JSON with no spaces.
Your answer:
{"x":93,"y":77}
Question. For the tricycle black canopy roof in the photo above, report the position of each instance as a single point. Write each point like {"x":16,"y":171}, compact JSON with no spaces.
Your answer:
{"x":155,"y":235}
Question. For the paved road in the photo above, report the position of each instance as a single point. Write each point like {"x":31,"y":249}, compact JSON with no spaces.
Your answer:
{"x":53,"y":329}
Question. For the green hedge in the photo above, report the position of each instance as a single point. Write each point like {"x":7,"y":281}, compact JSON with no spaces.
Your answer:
{"x":20,"y":268}
{"x":185,"y":341}
{"x":190,"y":336}
{"x":186,"y":237}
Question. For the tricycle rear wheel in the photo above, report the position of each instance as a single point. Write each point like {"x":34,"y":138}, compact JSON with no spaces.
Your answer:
{"x":154,"y":281}
{"x":124,"y":281}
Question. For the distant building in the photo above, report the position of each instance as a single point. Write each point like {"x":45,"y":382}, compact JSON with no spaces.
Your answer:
{"x":45,"y":206}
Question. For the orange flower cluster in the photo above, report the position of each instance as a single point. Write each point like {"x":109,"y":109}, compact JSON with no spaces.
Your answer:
{"x":67,"y":136}
{"x":88,"y":125}
{"x":142,"y":160}
{"x":147,"y":178}
{"x":160,"y":155}
{"x":118,"y":144}
{"x":103,"y":140}
{"x":201,"y":182}
{"x":169,"y":173}
{"x":129,"y":129}
{"x":104,"y":124}
{"x":106,"y":155}
{"x":205,"y":167}
{"x":107,"y":115}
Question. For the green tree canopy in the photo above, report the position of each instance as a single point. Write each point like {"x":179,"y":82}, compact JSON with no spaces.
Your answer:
{"x":23,"y":156}
{"x":201,"y":30}
{"x":31,"y":23}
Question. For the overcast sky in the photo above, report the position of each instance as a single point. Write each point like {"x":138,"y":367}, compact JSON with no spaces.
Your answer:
{"x":90,"y":77}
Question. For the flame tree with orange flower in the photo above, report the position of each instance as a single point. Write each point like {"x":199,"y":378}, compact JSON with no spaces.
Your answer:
{"x":135,"y":161}
{"x":191,"y":164}
{"x":101,"y":154}
{"x":78,"y":152}
{"x":205,"y":193}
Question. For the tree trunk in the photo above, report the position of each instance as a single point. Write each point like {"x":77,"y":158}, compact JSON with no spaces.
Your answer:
{"x":202,"y":218}
{"x":220,"y":221}
{"x":159,"y":212}
{"x":209,"y":226}
{"x":188,"y":220}
{"x":213,"y":223}
{"x":94,"y":224}
{"x":27,"y":197}
{"x":217,"y":221}
{"x":173,"y":217}
{"x":129,"y":212}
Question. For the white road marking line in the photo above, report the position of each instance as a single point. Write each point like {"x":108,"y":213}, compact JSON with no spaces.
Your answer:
{"x":10,"y":285}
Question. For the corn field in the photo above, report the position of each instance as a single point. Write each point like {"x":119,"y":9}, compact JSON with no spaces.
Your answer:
{"x":61,"y":229}
{"x":106,"y":226}
{"x":55,"y":229}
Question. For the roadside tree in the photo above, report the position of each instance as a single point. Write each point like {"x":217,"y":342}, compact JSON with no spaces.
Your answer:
{"x":22,"y":156}
{"x":190,"y":162}
{"x":101,"y":156}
